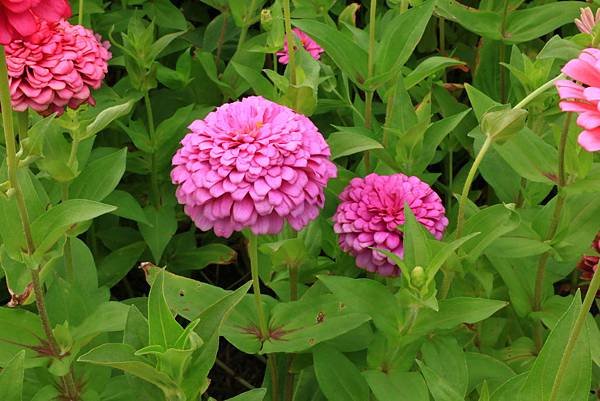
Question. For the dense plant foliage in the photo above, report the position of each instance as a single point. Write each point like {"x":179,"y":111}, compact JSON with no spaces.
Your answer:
{"x":299,"y":200}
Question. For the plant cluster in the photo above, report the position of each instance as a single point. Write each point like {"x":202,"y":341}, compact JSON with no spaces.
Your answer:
{"x":381,"y":200}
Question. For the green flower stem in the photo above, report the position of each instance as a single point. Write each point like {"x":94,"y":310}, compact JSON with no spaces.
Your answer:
{"x":369,"y":93}
{"x":460,"y":220}
{"x":262,"y":320}
{"x":22,"y":124}
{"x":155,"y":190}
{"x":527,"y":99}
{"x":552,"y":229}
{"x":289,"y":34}
{"x":12,"y":163}
{"x":574,"y":335}
{"x":246,"y":26}
{"x":80,"y":16}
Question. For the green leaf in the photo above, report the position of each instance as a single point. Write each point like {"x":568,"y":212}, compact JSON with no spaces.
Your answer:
{"x":163,"y":227}
{"x":117,"y":264}
{"x":100,"y":177}
{"x":346,"y":53}
{"x":397,"y":386}
{"x":401,"y":36}
{"x":348,"y":143}
{"x":122,"y":356}
{"x":446,"y":358}
{"x":491,"y":222}
{"x":107,"y":116}
{"x":438,"y":385}
{"x":53,"y":224}
{"x":533,"y":22}
{"x":486,"y":369}
{"x":368,"y":297}
{"x":485,"y":23}
{"x":256,"y":80}
{"x":21,"y":329}
{"x":576,"y":377}
{"x":427,"y":68}
{"x":108,"y":317}
{"x":258,"y":394}
{"x":11,"y":379}
{"x":305,"y":323}
{"x":339,"y":379}
{"x":127,"y":206}
{"x":165,"y":14}
{"x":163,"y":328}
{"x":416,"y":249}
{"x":455,"y":311}
{"x":198,"y":258}
{"x":211,"y":321}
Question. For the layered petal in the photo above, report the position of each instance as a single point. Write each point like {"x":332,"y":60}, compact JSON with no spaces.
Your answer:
{"x":371,"y":212}
{"x":252,"y":164}
{"x":21,"y":18}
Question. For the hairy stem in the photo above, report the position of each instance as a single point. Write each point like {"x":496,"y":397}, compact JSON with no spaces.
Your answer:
{"x":12,"y":165}
{"x":155,"y":191}
{"x":574,"y":335}
{"x":552,"y":229}
{"x":527,"y":99}
{"x":246,"y":26}
{"x":289,"y":36}
{"x":80,"y":16}
{"x":262,"y":320}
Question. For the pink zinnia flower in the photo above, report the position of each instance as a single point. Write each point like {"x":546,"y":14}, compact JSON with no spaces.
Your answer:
{"x":20,"y":18}
{"x":371,"y":211}
{"x":252,"y":164}
{"x":309,"y":45}
{"x":56,"y":67}
{"x":583,"y":96}
{"x":587,"y":21}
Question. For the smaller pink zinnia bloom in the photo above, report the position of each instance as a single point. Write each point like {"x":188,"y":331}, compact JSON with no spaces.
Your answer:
{"x":372,"y":209}
{"x":21,"y":18}
{"x":587,"y":21}
{"x":56,"y":67}
{"x":307,"y":42}
{"x":583,"y":96}
{"x":252,"y":164}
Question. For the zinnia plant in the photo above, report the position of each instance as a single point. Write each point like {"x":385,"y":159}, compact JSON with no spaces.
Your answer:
{"x":299,"y":200}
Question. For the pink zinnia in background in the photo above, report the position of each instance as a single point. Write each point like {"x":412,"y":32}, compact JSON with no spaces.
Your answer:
{"x":372,"y":209}
{"x":587,"y":21}
{"x":21,"y":18}
{"x":252,"y":164}
{"x":583,"y":97}
{"x":56,"y":67}
{"x":309,"y":45}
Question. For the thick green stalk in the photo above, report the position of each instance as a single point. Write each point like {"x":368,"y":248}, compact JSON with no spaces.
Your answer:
{"x":575,"y":332}
{"x":12,"y":165}
{"x":460,"y":219}
{"x":527,"y":99}
{"x":154,"y":188}
{"x":552,"y":229}
{"x":80,"y":16}
{"x":262,"y":319}
{"x":369,"y":93}
{"x":289,"y":35}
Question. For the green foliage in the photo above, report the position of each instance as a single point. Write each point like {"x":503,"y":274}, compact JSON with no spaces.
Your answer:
{"x":414,"y":87}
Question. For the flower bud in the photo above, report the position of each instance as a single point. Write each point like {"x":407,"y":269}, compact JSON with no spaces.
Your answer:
{"x":501,"y":124}
{"x":418,"y":277}
{"x":266,"y":20}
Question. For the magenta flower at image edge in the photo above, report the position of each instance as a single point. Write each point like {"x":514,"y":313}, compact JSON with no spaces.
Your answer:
{"x":371,"y":210}
{"x":56,"y":67}
{"x":583,"y":98}
{"x":252,"y":164}
{"x":307,"y":42}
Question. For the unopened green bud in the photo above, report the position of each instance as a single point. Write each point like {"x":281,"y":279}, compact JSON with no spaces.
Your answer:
{"x":501,"y":124}
{"x":266,"y":19}
{"x":418,"y":277}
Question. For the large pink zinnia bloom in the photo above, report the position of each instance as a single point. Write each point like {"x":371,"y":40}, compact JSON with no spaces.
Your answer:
{"x":21,"y":18}
{"x":372,"y":209}
{"x":307,"y":42}
{"x":56,"y":67}
{"x":583,"y":96}
{"x":252,"y":164}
